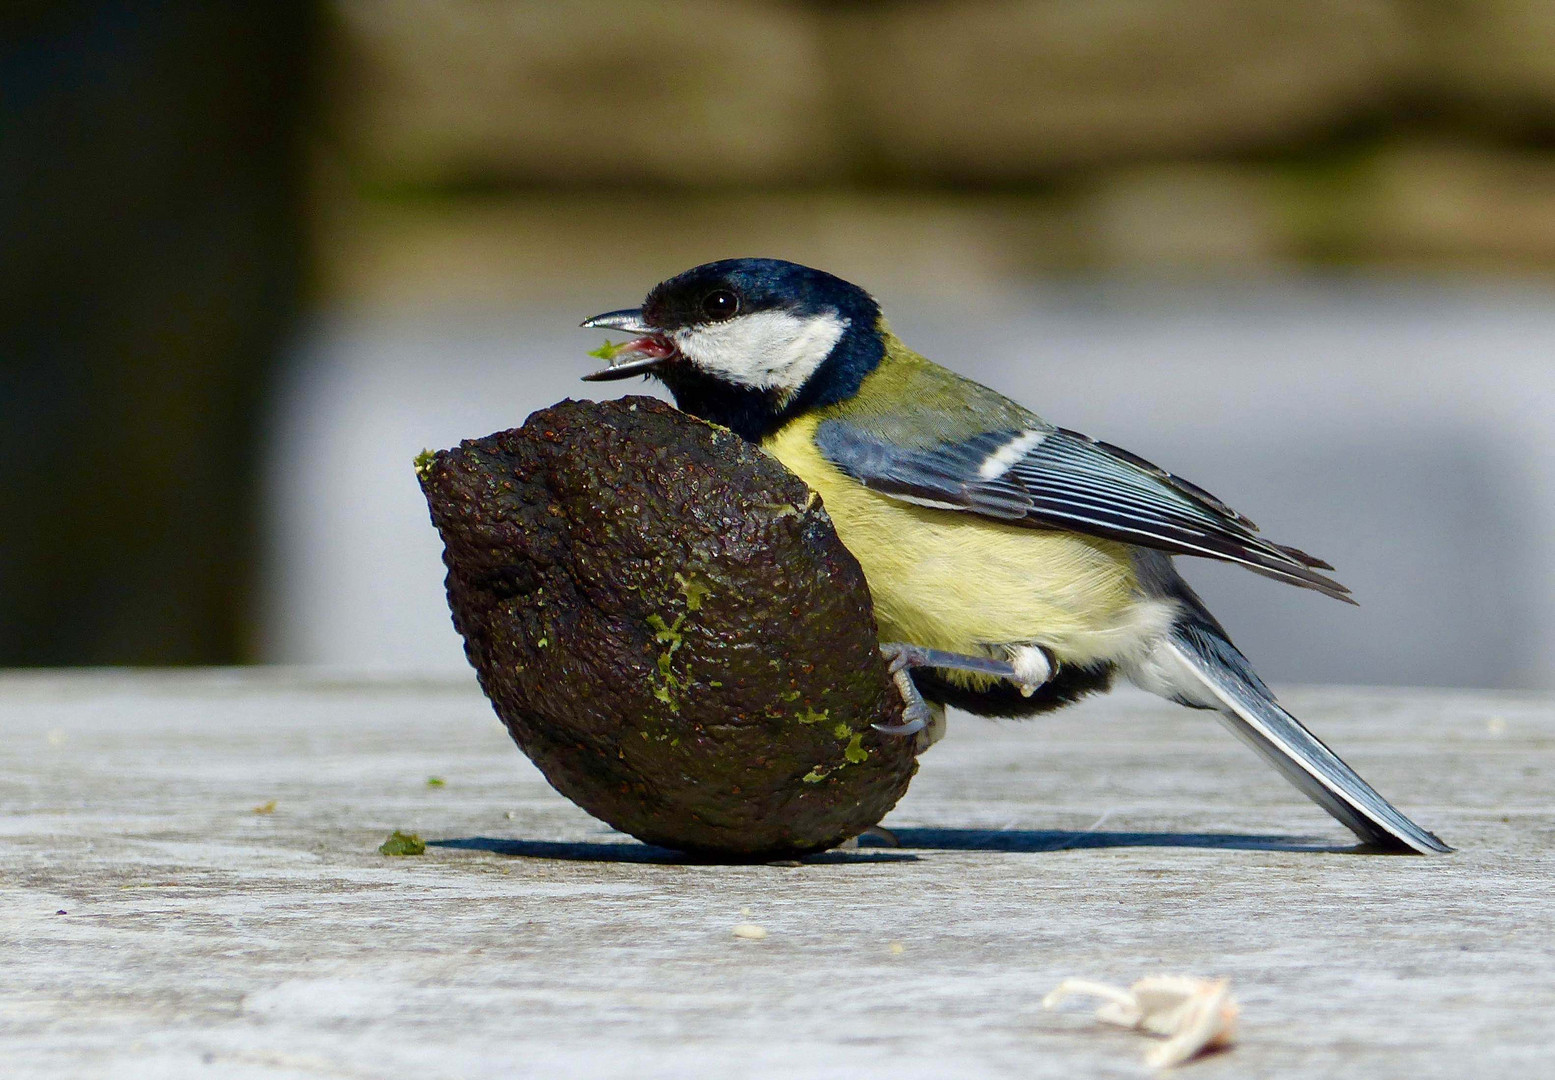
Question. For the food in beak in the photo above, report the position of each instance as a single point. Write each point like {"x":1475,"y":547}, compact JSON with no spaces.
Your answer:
{"x":640,"y":356}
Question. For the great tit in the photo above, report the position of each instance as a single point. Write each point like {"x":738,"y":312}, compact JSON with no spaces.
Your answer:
{"x":1015,"y":566}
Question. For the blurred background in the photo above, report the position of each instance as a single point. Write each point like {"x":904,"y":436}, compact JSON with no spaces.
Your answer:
{"x":253,"y":258}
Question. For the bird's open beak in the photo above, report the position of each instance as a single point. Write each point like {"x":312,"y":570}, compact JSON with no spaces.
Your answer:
{"x":640,"y":356}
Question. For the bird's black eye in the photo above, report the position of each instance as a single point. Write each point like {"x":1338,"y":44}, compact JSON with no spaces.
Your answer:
{"x":720,"y":304}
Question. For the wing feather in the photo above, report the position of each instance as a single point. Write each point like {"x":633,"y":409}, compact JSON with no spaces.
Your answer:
{"x":1053,"y":478}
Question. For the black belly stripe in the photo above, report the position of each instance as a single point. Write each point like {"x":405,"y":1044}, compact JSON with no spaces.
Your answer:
{"x":1002,"y":698}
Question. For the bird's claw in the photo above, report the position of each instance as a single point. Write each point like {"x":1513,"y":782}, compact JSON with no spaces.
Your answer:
{"x":915,"y":717}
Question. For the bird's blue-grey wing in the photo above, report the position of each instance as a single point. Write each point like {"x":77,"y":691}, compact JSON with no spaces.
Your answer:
{"x":1052,"y":478}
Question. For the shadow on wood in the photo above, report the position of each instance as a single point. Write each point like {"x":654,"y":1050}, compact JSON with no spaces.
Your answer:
{"x":990,"y":840}
{"x":623,"y":852}
{"x":1031,"y":840}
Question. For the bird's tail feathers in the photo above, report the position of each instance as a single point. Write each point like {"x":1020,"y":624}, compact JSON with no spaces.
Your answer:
{"x":1201,"y":667}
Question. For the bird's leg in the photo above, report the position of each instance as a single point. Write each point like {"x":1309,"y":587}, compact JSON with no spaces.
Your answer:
{"x":901,"y":658}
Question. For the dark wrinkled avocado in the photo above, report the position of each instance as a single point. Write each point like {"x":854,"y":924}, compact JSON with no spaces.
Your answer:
{"x":668,"y":625}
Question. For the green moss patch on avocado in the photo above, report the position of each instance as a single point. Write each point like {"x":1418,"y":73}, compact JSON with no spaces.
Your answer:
{"x":854,"y":752}
{"x":668,"y":635}
{"x":693,"y":590}
{"x":645,"y":597}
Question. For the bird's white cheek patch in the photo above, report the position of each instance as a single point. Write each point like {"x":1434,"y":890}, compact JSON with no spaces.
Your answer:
{"x":770,"y":350}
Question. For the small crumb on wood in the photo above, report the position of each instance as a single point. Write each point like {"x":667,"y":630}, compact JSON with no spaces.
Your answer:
{"x":750,"y":932}
{"x":265,"y":807}
{"x":436,"y":781}
{"x":401,"y":843}
{"x":1195,"y":1015}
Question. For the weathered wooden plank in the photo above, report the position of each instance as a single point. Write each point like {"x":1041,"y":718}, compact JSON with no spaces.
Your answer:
{"x":1122,"y":838}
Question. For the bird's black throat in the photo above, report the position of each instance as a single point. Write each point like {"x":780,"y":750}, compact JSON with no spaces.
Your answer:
{"x":754,"y":413}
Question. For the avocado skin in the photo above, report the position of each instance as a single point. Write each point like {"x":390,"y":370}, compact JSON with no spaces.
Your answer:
{"x":608,"y":564}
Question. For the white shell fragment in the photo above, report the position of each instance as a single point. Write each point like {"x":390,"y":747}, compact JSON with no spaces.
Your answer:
{"x":750,"y":932}
{"x":1194,"y":1015}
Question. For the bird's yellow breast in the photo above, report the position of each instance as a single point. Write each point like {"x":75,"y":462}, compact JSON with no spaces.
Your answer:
{"x":953,"y":580}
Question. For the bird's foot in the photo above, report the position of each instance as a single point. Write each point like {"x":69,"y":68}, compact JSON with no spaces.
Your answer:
{"x":916,"y":712}
{"x":1029,"y":667}
{"x":901,"y":658}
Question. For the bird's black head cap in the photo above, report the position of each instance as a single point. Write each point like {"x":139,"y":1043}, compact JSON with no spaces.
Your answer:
{"x":750,"y":343}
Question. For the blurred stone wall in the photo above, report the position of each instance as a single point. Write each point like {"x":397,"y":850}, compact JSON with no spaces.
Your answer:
{"x":483,"y":149}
